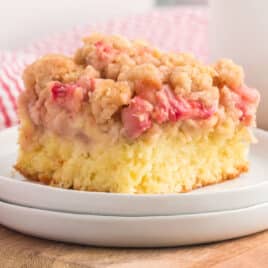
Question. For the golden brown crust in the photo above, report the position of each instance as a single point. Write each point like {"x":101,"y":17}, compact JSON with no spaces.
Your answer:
{"x":32,"y":177}
{"x":224,"y":177}
{"x":50,"y":68}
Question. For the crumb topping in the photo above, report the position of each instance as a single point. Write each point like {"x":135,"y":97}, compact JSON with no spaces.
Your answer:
{"x":135,"y":86}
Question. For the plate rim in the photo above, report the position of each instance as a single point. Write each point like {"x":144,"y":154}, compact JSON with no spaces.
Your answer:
{"x":152,"y":231}
{"x":127,"y":218}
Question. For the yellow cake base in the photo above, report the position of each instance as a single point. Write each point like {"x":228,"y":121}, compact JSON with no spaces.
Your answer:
{"x":170,"y":162}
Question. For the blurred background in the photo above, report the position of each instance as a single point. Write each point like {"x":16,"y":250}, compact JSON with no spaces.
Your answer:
{"x":236,"y":29}
{"x":25,"y":21}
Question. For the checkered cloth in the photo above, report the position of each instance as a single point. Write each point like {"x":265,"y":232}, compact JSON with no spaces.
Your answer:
{"x":177,"y":29}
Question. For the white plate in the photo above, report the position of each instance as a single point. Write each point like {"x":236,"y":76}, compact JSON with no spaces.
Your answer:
{"x":158,"y":231}
{"x":250,"y":189}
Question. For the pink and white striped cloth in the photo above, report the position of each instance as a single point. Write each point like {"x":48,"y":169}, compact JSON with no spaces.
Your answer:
{"x":177,"y":29}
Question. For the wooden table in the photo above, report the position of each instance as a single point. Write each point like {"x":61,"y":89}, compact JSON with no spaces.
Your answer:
{"x":20,"y":251}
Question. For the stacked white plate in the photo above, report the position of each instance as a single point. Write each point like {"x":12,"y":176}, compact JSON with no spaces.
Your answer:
{"x":224,"y":211}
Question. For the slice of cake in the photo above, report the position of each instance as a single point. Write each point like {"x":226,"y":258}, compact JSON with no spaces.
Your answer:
{"x":122,"y":116}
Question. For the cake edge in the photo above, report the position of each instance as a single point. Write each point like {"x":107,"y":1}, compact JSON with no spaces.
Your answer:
{"x":224,"y":177}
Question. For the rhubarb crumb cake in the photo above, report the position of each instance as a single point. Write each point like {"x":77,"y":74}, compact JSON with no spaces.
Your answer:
{"x":122,"y":116}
